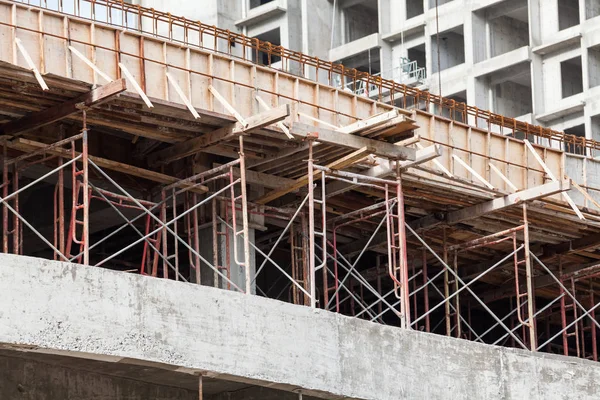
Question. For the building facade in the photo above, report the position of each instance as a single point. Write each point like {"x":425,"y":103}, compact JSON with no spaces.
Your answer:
{"x":534,"y":60}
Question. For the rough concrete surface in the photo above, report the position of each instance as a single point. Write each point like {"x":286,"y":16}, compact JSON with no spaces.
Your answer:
{"x":22,"y":379}
{"x":92,"y":312}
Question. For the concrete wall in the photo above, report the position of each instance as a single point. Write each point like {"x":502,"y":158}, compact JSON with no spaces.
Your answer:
{"x":571,"y":78}
{"x":359,"y":21}
{"x":592,"y":8}
{"x":452,"y":50}
{"x":507,"y":34}
{"x":594,"y":66}
{"x":568,"y":13}
{"x":414,"y":8}
{"x":96,"y":313}
{"x":33,"y":380}
{"x":512,"y":99}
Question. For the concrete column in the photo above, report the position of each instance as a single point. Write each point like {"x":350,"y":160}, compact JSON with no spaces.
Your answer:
{"x":237,"y":272}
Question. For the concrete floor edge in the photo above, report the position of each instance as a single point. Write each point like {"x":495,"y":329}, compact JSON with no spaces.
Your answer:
{"x":84,"y":310}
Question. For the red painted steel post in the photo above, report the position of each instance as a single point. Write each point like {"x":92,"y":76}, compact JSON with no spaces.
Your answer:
{"x":530,"y":288}
{"x":245,"y":224}
{"x":426,"y":292}
{"x":311,"y":226}
{"x":5,"y":195}
{"x":86,"y":194}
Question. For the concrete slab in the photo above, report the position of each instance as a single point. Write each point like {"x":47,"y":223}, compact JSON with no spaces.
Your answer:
{"x":94,"y":313}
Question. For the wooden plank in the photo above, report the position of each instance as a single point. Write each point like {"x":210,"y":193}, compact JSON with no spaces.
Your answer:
{"x":61,"y":111}
{"x":437,"y":163}
{"x":280,"y":124}
{"x":31,"y":65}
{"x":228,"y":106}
{"x":504,"y":178}
{"x":303,"y":181}
{"x":340,"y":139}
{"x":182,"y":96}
{"x":136,"y":86}
{"x":585,"y":194}
{"x":473,"y":172}
{"x":90,"y":64}
{"x":200,"y":143}
{"x":551,"y":175}
{"x":265,"y":180}
{"x":371,"y":122}
{"x":423,"y":155}
{"x":503,"y":202}
{"x":29,"y":145}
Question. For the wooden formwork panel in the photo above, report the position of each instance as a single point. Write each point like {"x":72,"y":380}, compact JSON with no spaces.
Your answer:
{"x":478,"y":148}
{"x":46,"y":35}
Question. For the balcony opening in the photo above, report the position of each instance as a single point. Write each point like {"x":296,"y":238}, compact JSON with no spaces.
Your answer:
{"x":360,"y":19}
{"x":509,"y":31}
{"x":592,"y":8}
{"x":417,"y":54}
{"x":570,"y":147}
{"x":258,"y":3}
{"x":596,"y":127}
{"x":571,"y":77}
{"x":368,"y":61}
{"x":568,"y":14}
{"x":512,"y":97}
{"x":264,"y":58}
{"x":414,"y":8}
{"x":594,"y":66}
{"x":452,"y":49}
{"x":451,"y":111}
{"x":439,"y":2}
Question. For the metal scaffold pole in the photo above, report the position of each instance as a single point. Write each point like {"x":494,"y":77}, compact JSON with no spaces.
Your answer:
{"x":86,"y":193}
{"x":529,"y":278}
{"x":246,"y":230}
{"x":311,"y":226}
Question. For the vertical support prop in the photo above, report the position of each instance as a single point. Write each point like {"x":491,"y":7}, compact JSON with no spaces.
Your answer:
{"x":86,"y":193}
{"x":529,"y":278}
{"x":311,"y":225}
{"x":404,"y":297}
{"x":245,"y":217}
{"x":4,"y":196}
{"x":200,"y":388}
{"x":446,"y":287}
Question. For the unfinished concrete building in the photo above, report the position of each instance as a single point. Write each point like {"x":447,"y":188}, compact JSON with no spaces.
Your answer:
{"x":183,"y":219}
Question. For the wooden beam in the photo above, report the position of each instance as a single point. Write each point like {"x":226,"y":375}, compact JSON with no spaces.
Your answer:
{"x":386,"y":168}
{"x":182,"y":96}
{"x":503,"y":202}
{"x":30,"y":145}
{"x":61,"y":111}
{"x":381,"y":148}
{"x":90,"y":64}
{"x":261,"y":179}
{"x":473,"y":172}
{"x":369,"y":123}
{"x":280,"y":124}
{"x":303,"y":181}
{"x":31,"y":65}
{"x":228,"y":106}
{"x":136,"y":85}
{"x":437,"y":163}
{"x":200,"y":143}
{"x":585,"y":194}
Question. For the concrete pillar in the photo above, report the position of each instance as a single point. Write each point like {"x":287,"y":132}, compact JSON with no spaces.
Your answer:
{"x":237,"y":272}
